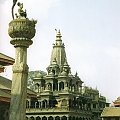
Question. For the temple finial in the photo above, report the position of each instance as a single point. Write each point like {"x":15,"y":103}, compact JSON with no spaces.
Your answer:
{"x":58,"y":35}
{"x":56,"y":30}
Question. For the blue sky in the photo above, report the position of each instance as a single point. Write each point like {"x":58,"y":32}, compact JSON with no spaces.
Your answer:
{"x":91,"y":33}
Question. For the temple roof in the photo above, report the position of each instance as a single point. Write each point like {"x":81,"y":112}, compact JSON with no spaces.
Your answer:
{"x":58,"y":63}
{"x":6,"y":60}
{"x":58,"y":51}
{"x":111,"y":112}
{"x":5,"y":90}
{"x":117,"y":102}
{"x":5,"y":83}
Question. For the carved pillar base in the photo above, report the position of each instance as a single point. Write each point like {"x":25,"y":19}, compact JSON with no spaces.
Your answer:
{"x":18,"y":92}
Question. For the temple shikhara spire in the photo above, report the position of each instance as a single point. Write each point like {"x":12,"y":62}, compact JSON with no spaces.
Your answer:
{"x":58,"y":61}
{"x":58,"y":51}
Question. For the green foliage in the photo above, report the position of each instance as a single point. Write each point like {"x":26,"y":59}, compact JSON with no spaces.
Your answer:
{"x":32,"y":75}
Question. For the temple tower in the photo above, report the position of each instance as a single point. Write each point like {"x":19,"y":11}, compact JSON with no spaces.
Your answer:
{"x":59,"y":90}
{"x":58,"y":51}
{"x":21,"y":30}
{"x":58,"y":57}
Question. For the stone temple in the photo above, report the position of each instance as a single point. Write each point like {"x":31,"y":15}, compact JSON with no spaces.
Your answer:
{"x":61,"y":95}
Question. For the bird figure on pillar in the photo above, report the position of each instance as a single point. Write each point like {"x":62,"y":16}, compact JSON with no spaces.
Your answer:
{"x":14,"y":3}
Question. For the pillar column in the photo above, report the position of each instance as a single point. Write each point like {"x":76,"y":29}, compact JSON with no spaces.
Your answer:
{"x":29,"y":103}
{"x":21,"y":30}
{"x":65,"y":86}
{"x":52,"y":86}
{"x":58,"y":85}
{"x":39,"y":104}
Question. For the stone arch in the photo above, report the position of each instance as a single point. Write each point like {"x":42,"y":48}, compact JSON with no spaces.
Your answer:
{"x":37,"y":104}
{"x":44,"y":118}
{"x":43,"y":84}
{"x":76,"y":118}
{"x":83,"y":118}
{"x":74,"y":102}
{"x":44,"y":103}
{"x":67,"y":84}
{"x":55,"y":102}
{"x":61,"y":85}
{"x":32,"y":118}
{"x":57,"y":118}
{"x":49,"y":86}
{"x":73,"y":88}
{"x":63,"y":118}
{"x":70,"y":103}
{"x":27,"y":104}
{"x":53,"y":71}
{"x":73,"y":118}
{"x":38,"y":118}
{"x":89,"y":106}
{"x":80,"y":118}
{"x":26,"y":118}
{"x":50,"y":103}
{"x":64,"y":102}
{"x":50,"y":118}
{"x":77,"y":102}
{"x":70,"y":84}
{"x":32,"y":102}
{"x":55,"y":85}
{"x":37,"y":85}
{"x":70,"y":118}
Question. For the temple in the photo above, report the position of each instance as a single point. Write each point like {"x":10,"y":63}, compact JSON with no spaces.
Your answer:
{"x":60,"y":94}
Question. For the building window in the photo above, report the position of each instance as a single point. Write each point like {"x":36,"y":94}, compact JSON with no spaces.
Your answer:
{"x":94,"y":105}
{"x":61,"y":86}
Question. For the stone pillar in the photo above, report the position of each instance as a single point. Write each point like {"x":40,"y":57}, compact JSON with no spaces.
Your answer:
{"x":58,"y":86}
{"x":52,"y":86}
{"x":65,"y":86}
{"x":21,"y":30}
{"x":39,"y":103}
{"x":29,"y":103}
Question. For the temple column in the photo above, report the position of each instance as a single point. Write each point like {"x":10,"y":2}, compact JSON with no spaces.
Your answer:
{"x":21,"y":30}
{"x":58,"y":86}
{"x":39,"y":104}
{"x":29,"y":103}
{"x":52,"y":86}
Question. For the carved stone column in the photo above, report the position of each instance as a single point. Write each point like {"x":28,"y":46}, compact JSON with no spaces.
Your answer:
{"x":21,"y":30}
